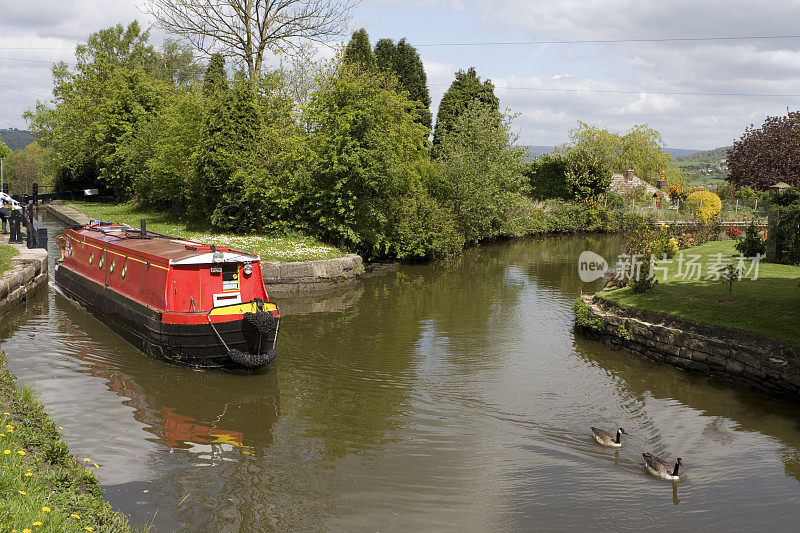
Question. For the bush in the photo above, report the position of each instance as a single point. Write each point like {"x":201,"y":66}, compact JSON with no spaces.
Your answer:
{"x":751,"y":244}
{"x":784,"y":226}
{"x":705,"y":205}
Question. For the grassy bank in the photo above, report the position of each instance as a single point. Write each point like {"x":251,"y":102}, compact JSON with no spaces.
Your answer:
{"x":769,"y":305}
{"x":7,"y":253}
{"x":42,"y":487}
{"x":291,"y":247}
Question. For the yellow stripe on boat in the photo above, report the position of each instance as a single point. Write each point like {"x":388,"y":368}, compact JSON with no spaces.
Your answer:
{"x":240,"y":309}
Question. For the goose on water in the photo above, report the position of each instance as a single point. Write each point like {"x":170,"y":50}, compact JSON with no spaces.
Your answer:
{"x":607,"y":439}
{"x":661,"y":468}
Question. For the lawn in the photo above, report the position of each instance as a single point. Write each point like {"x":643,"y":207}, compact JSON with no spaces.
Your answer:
{"x":289,"y":247}
{"x":768,"y":305}
{"x":6,"y":254}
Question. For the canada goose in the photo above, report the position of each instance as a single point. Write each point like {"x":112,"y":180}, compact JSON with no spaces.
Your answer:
{"x":607,"y":439}
{"x":660,"y":468}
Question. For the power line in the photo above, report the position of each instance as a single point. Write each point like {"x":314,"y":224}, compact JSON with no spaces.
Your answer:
{"x":23,"y":91}
{"x":618,"y":41}
{"x":619,"y":91}
{"x":26,"y":60}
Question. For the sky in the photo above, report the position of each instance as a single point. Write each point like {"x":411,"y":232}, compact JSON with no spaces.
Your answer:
{"x":699,"y":94}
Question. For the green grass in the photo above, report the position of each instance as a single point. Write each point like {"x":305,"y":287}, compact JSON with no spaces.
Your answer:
{"x":769,"y":305}
{"x":7,"y":253}
{"x":42,"y":487}
{"x":290,"y":247}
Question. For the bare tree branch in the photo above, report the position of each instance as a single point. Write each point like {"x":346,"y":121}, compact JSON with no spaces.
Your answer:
{"x":247,"y":29}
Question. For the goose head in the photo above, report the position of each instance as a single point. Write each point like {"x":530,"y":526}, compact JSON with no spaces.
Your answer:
{"x":622,"y":431}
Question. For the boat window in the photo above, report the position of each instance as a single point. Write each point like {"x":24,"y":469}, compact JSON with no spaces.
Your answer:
{"x":230,"y":277}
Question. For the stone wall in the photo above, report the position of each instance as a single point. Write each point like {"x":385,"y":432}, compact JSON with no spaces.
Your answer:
{"x":761,"y":363}
{"x":28,"y":271}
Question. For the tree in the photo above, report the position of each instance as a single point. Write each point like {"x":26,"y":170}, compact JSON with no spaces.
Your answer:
{"x":5,"y":151}
{"x":215,"y":80}
{"x":177,"y":64}
{"x":369,"y":155}
{"x":358,"y":52}
{"x":481,"y":178}
{"x":30,"y":165}
{"x":466,"y":90}
{"x":403,"y":61}
{"x":575,"y":175}
{"x":98,"y":108}
{"x":247,"y":30}
{"x":766,"y":155}
{"x":641,"y":149}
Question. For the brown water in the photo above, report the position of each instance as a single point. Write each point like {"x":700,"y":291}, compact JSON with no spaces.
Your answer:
{"x":445,"y":397}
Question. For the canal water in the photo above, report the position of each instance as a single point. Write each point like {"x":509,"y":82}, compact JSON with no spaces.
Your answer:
{"x":453,"y":396}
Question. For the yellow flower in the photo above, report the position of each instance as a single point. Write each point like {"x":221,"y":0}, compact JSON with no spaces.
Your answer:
{"x":26,"y":530}
{"x":73,"y":515}
{"x":96,"y":465}
{"x":89,"y":528}
{"x":59,"y":427}
{"x":22,"y":492}
{"x":4,"y":466}
{"x":37,"y":523}
{"x":28,"y":474}
{"x":6,"y":452}
{"x":46,"y":509}
{"x":87,"y":459}
{"x":2,"y":434}
{"x":21,"y":452}
{"x":9,"y":426}
{"x":7,"y":414}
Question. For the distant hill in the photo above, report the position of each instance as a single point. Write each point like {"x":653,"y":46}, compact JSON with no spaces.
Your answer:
{"x":16,"y":139}
{"x":717,"y":154}
{"x":674,"y":152}
{"x":708,"y":167}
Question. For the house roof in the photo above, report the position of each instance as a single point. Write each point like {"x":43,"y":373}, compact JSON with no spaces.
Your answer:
{"x":620,"y":185}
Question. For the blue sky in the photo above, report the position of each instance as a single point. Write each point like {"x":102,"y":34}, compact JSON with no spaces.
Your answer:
{"x":550,"y":87}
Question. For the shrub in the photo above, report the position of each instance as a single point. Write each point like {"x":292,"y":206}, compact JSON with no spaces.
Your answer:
{"x":581,"y":311}
{"x":751,"y":244}
{"x":705,"y":205}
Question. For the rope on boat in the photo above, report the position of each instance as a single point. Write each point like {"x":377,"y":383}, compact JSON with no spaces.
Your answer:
{"x":263,"y":322}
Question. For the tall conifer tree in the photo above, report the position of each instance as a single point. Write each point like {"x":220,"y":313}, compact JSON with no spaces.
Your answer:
{"x":359,"y":52}
{"x":466,"y":89}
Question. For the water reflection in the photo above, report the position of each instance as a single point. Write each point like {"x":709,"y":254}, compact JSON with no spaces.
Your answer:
{"x":449,"y":396}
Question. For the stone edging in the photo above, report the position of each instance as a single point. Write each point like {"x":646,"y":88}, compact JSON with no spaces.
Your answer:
{"x":27,"y":272}
{"x":761,"y":363}
{"x":278,"y":276}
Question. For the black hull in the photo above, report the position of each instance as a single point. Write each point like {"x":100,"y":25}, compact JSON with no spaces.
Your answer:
{"x":189,"y":344}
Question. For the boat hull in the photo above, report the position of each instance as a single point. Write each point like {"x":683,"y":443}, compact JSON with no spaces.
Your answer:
{"x":203,"y":344}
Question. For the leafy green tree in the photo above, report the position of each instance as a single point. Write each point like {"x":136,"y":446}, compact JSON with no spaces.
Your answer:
{"x":228,"y":141}
{"x":574,"y":175}
{"x":98,"y":108}
{"x":641,"y":149}
{"x":5,"y":151}
{"x":32,"y":164}
{"x":465,"y":91}
{"x":170,"y":140}
{"x":368,"y":154}
{"x":177,"y":65}
{"x":358,"y":52}
{"x":481,"y":177}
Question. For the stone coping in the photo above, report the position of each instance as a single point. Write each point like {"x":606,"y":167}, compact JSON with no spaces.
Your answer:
{"x":762,"y":363}
{"x":28,"y":271}
{"x":279,"y":276}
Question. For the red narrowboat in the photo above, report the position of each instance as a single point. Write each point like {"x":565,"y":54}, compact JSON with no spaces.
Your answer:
{"x":177,"y":300}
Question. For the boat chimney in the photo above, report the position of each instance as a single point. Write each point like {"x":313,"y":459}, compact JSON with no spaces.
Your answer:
{"x":143,"y":231}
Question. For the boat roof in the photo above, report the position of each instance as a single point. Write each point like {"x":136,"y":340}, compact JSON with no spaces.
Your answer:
{"x":174,"y":250}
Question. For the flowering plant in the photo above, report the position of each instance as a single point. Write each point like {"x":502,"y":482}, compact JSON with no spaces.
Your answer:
{"x":732,"y":232}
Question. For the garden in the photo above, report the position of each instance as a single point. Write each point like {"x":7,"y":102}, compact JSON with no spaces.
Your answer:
{"x":710,"y":274}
